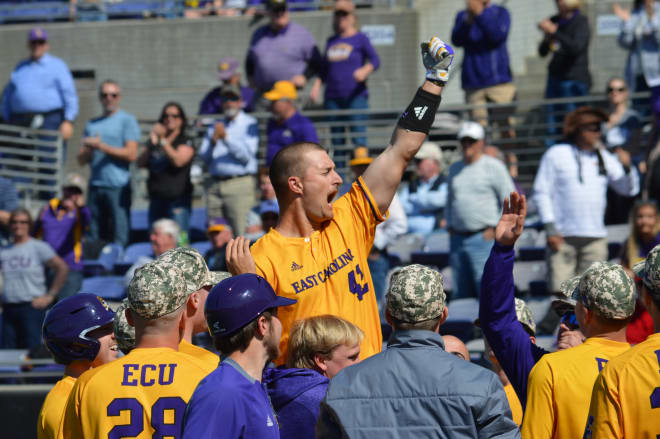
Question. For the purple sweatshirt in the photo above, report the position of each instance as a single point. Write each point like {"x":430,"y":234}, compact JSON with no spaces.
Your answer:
{"x":64,"y":231}
{"x":342,"y":57}
{"x":295,"y":129}
{"x":497,"y":315}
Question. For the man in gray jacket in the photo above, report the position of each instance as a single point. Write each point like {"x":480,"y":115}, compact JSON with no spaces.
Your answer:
{"x":415,"y":389}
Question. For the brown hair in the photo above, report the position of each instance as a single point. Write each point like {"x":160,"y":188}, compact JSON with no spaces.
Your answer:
{"x":288,"y":162}
{"x":239,"y":341}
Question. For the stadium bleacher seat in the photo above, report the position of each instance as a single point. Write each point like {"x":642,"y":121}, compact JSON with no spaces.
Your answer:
{"x":134,"y":251}
{"x":437,"y":242}
{"x":434,"y":259}
{"x":110,"y":254}
{"x":404,"y":245}
{"x":460,"y":322}
{"x":139,"y":225}
{"x":617,"y":232}
{"x":201,"y":246}
{"x":531,"y":253}
{"x":525,"y":272}
{"x":107,"y":287}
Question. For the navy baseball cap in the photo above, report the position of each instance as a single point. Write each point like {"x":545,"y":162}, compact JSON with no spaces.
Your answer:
{"x":236,"y":301}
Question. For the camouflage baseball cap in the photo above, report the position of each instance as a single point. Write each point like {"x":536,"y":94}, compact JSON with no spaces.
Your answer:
{"x":568,"y":296}
{"x":523,"y":314}
{"x":649,"y":271}
{"x":157,"y":288}
{"x":416,"y":294}
{"x":608,"y":290}
{"x":195,"y":271}
{"x":124,"y":333}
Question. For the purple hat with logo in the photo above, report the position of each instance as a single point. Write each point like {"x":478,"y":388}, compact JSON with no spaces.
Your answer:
{"x":37,"y":34}
{"x":226,"y":68}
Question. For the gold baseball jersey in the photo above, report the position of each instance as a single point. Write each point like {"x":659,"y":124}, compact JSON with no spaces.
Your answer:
{"x":198,"y":352}
{"x":514,"y":403}
{"x":559,"y":388}
{"x":141,"y":395}
{"x":49,"y":423}
{"x":626,"y":398}
{"x":327,"y":272}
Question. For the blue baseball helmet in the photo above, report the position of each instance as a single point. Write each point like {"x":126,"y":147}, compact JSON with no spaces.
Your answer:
{"x":237,"y":300}
{"x":67,"y":324}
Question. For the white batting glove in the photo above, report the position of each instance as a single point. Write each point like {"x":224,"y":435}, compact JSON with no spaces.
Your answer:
{"x":437,"y":57}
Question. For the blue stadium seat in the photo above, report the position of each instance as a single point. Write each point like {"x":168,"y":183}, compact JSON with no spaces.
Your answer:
{"x":437,"y":242}
{"x":198,"y":218}
{"x":107,"y":287}
{"x":436,"y":259}
{"x":139,"y":219}
{"x":201,"y":246}
{"x":110,"y":254}
{"x":134,"y":251}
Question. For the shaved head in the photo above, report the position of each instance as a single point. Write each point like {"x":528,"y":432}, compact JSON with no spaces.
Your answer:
{"x":455,"y":346}
{"x":288,"y":162}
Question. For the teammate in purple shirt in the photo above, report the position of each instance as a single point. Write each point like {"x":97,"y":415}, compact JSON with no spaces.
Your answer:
{"x":348,"y":61}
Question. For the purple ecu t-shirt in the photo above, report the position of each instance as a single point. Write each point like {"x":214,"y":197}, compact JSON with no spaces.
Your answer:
{"x":23,"y":270}
{"x":342,"y":57}
{"x":295,"y":129}
{"x":63,"y":231}
{"x":280,"y":56}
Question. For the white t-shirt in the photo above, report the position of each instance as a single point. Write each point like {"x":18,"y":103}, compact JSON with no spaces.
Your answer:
{"x":23,"y":269}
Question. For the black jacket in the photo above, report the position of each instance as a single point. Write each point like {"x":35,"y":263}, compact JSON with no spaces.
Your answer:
{"x":570,"y":48}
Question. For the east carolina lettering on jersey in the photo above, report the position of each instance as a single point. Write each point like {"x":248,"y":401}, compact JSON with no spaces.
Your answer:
{"x":147,"y":374}
{"x":322,"y":276}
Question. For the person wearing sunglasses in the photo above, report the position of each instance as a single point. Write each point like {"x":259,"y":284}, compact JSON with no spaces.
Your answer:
{"x":229,"y":151}
{"x":168,"y":155}
{"x":570,"y":188}
{"x":41,"y":92}
{"x":109,"y":146}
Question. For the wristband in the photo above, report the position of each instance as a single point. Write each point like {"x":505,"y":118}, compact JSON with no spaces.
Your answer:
{"x":420,"y":114}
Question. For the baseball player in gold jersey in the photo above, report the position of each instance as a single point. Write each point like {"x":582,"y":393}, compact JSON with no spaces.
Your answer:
{"x":559,"y":387}
{"x":143,"y":394}
{"x":78,"y":333}
{"x":625,"y":402}
{"x":318,"y":252}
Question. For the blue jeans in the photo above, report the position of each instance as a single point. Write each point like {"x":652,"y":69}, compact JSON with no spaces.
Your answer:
{"x":556,"y":88}
{"x":467,"y":257}
{"x":21,"y":325}
{"x":110,"y":208}
{"x":378,"y":267}
{"x":356,"y":103}
{"x":177,"y":209}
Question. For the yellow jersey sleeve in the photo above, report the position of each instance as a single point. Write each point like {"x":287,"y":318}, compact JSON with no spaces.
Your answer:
{"x":141,"y":395}
{"x":539,"y":419}
{"x":514,"y":404}
{"x":49,"y":424}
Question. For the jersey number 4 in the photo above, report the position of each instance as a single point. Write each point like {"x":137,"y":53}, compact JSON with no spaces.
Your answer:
{"x":655,"y":396}
{"x":173,"y":406}
{"x":356,"y":287}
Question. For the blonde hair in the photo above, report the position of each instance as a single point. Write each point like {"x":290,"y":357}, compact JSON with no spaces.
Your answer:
{"x":573,"y":4}
{"x":319,"y":335}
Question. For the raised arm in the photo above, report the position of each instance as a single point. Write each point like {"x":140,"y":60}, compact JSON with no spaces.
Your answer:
{"x":384,"y":174}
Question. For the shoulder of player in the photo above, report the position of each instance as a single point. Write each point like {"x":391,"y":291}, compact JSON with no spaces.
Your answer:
{"x":628,"y":358}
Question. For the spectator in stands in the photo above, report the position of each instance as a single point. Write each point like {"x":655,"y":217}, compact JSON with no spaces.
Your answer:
{"x":241,"y":313}
{"x":473,"y":399}
{"x":456,"y":347}
{"x":230,"y":152}
{"x":425,"y":197}
{"x":228,"y":73}
{"x":566,"y":35}
{"x":164,"y":236}
{"x":269,"y":213}
{"x":24,"y":294}
{"x":109,"y":146}
{"x":168,"y":155}
{"x":41,"y":92}
{"x":8,"y":203}
{"x":281,"y":51}
{"x":319,"y":347}
{"x":511,"y":162}
{"x":623,"y":129}
{"x":482,"y":30}
{"x":348,"y":61}
{"x":569,"y":191}
{"x":254,"y":226}
{"x":287,"y":125}
{"x":61,"y":223}
{"x":639,"y":32}
{"x":477,"y":186}
{"x":526,"y":318}
{"x":394,"y":226}
{"x":220,"y":234}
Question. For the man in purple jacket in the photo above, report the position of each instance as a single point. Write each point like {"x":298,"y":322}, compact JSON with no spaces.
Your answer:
{"x":482,"y":30}
{"x":512,"y":346}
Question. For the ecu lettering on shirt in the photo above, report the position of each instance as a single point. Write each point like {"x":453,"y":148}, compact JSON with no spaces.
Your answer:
{"x":327,"y":272}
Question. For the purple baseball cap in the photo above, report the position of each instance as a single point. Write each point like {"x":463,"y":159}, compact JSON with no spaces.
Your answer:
{"x":226,"y":68}
{"x":37,"y":34}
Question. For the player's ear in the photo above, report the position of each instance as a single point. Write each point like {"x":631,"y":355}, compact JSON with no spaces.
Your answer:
{"x":532,"y":338}
{"x":319,"y":362}
{"x":443,"y":317}
{"x":295,"y":185}
{"x":129,"y":316}
{"x":263,"y":326}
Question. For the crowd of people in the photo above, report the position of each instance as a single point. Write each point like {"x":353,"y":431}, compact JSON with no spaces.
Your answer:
{"x":295,"y":317}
